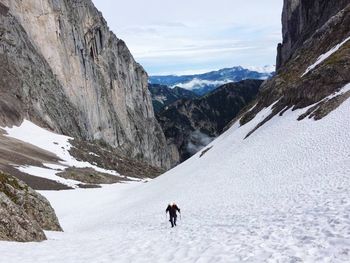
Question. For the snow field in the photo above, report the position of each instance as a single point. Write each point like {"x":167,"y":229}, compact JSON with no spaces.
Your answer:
{"x":281,"y":195}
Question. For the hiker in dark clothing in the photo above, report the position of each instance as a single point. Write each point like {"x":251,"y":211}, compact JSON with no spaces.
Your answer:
{"x":172,"y":208}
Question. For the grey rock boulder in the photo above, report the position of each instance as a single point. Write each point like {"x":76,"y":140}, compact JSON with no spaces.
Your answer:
{"x":24,"y":213}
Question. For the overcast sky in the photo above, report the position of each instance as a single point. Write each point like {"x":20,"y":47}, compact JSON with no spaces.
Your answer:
{"x":186,"y":36}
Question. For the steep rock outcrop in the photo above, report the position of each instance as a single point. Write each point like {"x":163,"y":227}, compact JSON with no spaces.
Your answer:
{"x":318,"y":67}
{"x":300,"y":19}
{"x":28,"y":87}
{"x":104,"y":90}
{"x":192,"y":124}
{"x":24,"y":213}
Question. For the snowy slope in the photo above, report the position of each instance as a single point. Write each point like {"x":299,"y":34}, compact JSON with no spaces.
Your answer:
{"x":281,"y":195}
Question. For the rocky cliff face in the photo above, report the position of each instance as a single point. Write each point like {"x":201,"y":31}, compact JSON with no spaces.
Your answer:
{"x":24,"y":214}
{"x":191,"y":124}
{"x":315,"y":61}
{"x":300,"y":20}
{"x":74,"y":76}
{"x":28,"y":87}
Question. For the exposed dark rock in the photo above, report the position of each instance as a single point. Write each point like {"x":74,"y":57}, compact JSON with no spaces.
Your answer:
{"x":192,"y":124}
{"x":325,"y":107}
{"x":205,"y":151}
{"x":89,"y":186}
{"x":3,"y":10}
{"x":90,"y":176}
{"x":23,"y":212}
{"x":110,"y":158}
{"x":35,"y":182}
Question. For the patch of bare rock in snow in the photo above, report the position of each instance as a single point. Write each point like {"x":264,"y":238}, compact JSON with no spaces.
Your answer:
{"x":54,"y":143}
{"x":325,"y":56}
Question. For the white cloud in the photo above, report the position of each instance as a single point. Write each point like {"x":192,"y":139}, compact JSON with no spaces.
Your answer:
{"x":188,"y":52}
{"x":198,"y":140}
{"x":199,"y":83}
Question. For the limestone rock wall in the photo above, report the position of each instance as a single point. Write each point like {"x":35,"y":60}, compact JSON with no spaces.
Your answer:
{"x":28,"y":87}
{"x":97,"y":74}
{"x":300,"y":19}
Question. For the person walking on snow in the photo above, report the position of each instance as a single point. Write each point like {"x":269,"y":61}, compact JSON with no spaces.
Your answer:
{"x":172,"y":209}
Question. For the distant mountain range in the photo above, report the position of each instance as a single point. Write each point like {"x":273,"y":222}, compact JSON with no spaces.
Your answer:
{"x":202,"y":84}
